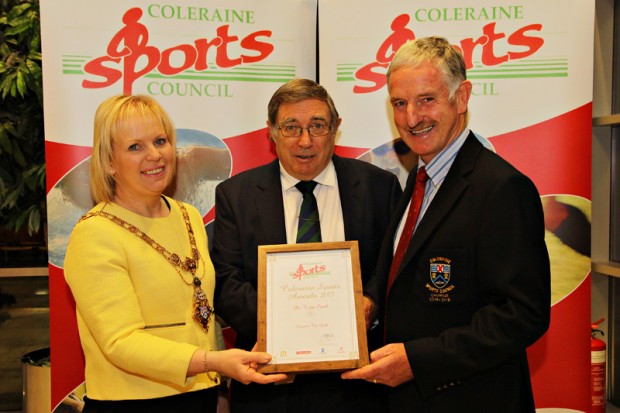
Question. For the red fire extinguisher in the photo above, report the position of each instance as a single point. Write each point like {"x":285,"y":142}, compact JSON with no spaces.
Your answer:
{"x":598,"y":355}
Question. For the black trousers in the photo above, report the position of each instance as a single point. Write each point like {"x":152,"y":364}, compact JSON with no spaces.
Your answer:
{"x":202,"y":401}
{"x":309,"y":393}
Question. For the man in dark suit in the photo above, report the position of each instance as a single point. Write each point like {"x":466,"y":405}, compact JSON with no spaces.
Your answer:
{"x":260,"y":207}
{"x":472,"y":291}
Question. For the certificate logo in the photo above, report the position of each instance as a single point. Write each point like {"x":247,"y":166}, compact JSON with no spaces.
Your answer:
{"x":311,"y":270}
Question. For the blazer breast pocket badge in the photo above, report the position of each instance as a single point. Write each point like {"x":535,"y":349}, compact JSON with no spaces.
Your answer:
{"x":440,"y":289}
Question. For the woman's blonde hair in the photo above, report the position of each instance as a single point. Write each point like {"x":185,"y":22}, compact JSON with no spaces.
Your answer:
{"x":111,"y":118}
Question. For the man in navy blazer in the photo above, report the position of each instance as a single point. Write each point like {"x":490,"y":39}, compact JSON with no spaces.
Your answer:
{"x":260,"y":207}
{"x":473,"y":289}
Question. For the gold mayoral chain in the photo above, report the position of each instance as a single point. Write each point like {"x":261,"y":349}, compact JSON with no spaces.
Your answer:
{"x":202,"y":310}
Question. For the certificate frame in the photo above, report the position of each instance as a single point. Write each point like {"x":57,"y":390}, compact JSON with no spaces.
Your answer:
{"x":312,"y":302}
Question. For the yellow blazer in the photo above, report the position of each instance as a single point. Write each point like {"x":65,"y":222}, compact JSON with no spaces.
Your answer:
{"x":134,"y":311}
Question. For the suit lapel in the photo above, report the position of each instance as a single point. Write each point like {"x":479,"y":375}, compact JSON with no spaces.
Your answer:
{"x":449,"y":193}
{"x":350,"y":199}
{"x":269,"y":206}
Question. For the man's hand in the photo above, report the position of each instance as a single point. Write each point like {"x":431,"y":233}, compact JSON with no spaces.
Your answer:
{"x":389,"y":366}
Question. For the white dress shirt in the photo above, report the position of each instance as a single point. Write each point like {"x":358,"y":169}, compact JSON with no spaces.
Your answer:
{"x":437,"y":169}
{"x":327,"y":198}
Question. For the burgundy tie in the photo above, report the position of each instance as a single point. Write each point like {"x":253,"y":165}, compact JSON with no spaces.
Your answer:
{"x":412,"y":218}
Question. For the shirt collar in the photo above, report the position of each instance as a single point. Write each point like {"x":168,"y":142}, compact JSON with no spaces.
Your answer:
{"x":327,"y":177}
{"x":438,"y":167}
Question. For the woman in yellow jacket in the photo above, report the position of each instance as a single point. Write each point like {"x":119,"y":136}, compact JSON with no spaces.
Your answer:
{"x":139,"y":269}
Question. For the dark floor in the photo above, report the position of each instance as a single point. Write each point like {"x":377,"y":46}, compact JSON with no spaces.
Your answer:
{"x":24,"y":328}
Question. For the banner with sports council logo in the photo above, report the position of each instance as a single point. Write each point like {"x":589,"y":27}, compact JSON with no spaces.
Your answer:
{"x":212,"y":65}
{"x":531,"y":66}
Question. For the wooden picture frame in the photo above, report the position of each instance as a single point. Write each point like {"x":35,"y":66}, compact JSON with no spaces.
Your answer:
{"x":310,"y":307}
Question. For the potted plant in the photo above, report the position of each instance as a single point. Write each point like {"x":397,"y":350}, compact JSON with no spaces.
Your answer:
{"x":22,"y":143}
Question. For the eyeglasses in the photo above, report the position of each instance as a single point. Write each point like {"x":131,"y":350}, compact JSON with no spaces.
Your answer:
{"x":294,"y":131}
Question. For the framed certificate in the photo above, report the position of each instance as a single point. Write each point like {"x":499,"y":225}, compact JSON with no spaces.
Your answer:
{"x":310,"y":307}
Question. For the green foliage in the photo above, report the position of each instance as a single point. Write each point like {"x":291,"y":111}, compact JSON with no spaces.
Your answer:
{"x":22,"y":143}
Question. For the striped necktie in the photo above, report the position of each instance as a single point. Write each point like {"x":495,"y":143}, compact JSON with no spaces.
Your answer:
{"x":309,"y":226}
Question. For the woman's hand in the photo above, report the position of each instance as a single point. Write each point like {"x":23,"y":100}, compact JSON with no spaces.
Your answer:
{"x":241,"y":365}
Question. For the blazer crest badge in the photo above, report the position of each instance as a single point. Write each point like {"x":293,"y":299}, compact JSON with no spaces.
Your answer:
{"x":440,"y":275}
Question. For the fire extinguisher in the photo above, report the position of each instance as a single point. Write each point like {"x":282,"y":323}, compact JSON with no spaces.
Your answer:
{"x":598,"y":369}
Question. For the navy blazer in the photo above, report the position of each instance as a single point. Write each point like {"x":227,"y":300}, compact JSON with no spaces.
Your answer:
{"x":473,"y":291}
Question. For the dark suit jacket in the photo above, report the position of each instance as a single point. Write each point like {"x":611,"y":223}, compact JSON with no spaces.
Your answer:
{"x":473,"y":290}
{"x":250,"y":212}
